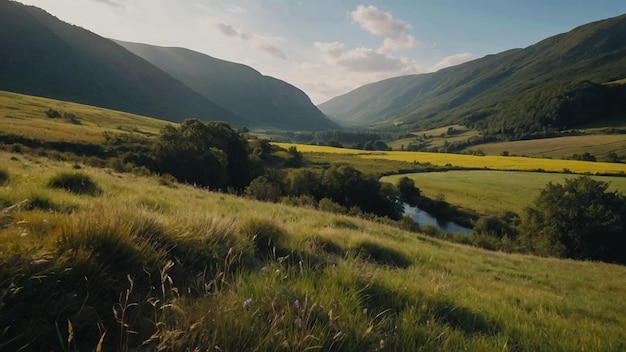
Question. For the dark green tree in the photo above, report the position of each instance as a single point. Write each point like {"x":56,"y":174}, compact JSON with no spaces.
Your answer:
{"x":210,"y":154}
{"x":408,"y":191}
{"x":579,"y":219}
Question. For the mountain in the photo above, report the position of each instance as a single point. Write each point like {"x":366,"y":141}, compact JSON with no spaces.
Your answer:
{"x":266,"y":101}
{"x":43,"y":56}
{"x":516,"y":92}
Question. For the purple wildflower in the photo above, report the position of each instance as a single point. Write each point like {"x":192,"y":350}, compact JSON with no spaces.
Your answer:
{"x":247,"y":303}
{"x":296,"y":304}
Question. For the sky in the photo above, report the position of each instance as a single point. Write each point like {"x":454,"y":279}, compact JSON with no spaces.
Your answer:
{"x":329,"y":47}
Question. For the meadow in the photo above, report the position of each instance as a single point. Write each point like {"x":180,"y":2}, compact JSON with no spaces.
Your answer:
{"x":491,"y":162}
{"x":24,"y":115}
{"x":145,"y":263}
{"x":141,"y":262}
{"x":492,"y":192}
{"x":561,"y":147}
{"x":436,"y":137}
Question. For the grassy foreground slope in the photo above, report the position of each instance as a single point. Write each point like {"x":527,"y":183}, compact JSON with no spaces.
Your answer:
{"x":153,"y":265}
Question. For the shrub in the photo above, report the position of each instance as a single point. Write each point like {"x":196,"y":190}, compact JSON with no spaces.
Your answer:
{"x":40,"y":202}
{"x":53,"y":114}
{"x":4,"y":176}
{"x":268,"y":238}
{"x":75,"y":182}
{"x":328,"y":205}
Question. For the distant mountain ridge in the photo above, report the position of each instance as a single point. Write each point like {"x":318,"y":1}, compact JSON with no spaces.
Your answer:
{"x":501,"y":92}
{"x":43,"y":56}
{"x":266,"y":100}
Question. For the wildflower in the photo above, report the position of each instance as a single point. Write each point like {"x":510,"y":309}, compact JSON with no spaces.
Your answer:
{"x":320,"y":308}
{"x":247,"y":303}
{"x":296,"y":304}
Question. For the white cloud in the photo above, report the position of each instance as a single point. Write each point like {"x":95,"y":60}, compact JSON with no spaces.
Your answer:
{"x":112,"y":3}
{"x":231,"y":31}
{"x":237,"y":9}
{"x":378,"y":22}
{"x":383,"y":24}
{"x":266,"y":44}
{"x":453,"y":60}
{"x":362,"y":59}
{"x":404,"y":41}
{"x":272,"y":50}
{"x":331,"y":50}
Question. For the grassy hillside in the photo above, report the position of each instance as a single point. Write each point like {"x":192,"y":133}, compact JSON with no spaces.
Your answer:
{"x":492,"y":192}
{"x":148,"y":264}
{"x":25,"y":116}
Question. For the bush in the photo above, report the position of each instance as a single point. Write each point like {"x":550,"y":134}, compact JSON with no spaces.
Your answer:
{"x":268,"y":238}
{"x":4,"y":176}
{"x":328,"y":205}
{"x":75,"y":182}
{"x":579,"y":219}
{"x":40,"y":202}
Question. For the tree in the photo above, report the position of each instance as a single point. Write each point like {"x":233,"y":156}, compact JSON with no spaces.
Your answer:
{"x":210,"y":154}
{"x":579,"y":219}
{"x":408,"y":191}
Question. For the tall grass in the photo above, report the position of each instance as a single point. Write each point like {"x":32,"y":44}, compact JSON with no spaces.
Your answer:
{"x":210,"y":271}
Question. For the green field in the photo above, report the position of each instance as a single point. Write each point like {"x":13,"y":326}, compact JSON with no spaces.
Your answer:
{"x":492,"y":192}
{"x":172,"y":267}
{"x":435,"y":139}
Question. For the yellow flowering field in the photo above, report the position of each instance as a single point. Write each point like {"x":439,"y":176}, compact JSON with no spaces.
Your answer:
{"x":472,"y":161}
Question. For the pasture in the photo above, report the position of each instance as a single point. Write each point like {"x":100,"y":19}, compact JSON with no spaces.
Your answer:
{"x":491,"y":162}
{"x":435,"y":138}
{"x":560,"y":147}
{"x":492,"y":192}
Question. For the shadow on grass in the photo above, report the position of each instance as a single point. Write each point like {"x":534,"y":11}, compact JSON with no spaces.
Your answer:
{"x":440,"y":309}
{"x":379,"y":254}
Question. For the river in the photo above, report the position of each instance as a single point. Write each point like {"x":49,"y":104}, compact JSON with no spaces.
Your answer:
{"x":423,"y":218}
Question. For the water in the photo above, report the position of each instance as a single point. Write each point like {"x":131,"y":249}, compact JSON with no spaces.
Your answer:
{"x":423,"y":218}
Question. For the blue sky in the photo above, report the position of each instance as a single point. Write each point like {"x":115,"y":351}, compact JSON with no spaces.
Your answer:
{"x":329,"y":47}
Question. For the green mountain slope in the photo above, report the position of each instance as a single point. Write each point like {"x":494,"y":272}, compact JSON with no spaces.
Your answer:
{"x":43,"y":56}
{"x":517,"y":91}
{"x":266,"y":101}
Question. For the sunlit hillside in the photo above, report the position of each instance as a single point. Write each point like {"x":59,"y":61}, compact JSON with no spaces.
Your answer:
{"x":145,"y":263}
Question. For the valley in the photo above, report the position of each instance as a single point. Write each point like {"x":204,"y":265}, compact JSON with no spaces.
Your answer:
{"x":153,"y":197}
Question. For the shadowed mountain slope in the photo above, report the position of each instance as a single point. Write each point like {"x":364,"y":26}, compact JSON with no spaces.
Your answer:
{"x":41,"y":55}
{"x":266,"y":101}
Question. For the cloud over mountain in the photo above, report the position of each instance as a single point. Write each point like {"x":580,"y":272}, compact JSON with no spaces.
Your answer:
{"x":265,"y":44}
